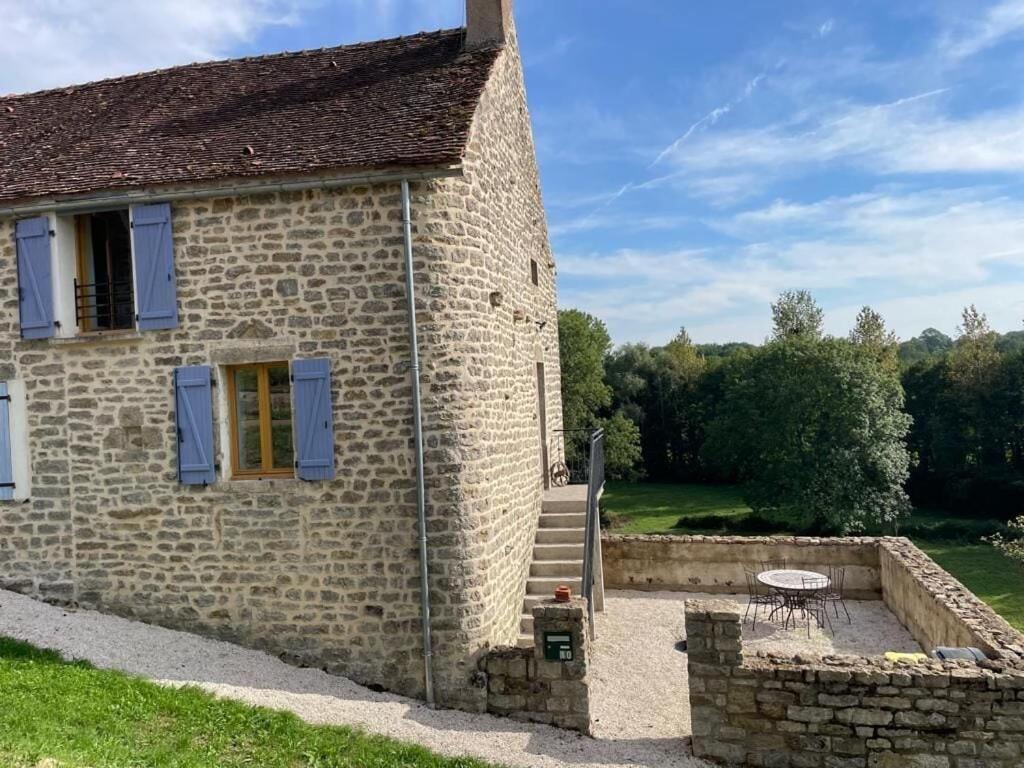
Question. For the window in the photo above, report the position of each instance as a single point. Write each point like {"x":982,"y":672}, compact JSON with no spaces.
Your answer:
{"x":96,"y":272}
{"x":104,"y":287}
{"x":534,"y":276}
{"x":260,"y":413}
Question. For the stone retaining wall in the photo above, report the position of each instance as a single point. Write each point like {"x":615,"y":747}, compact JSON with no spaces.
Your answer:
{"x":853,"y":712}
{"x":715,"y":563}
{"x":938,"y":609}
{"x":844,"y":712}
{"x":523,"y":685}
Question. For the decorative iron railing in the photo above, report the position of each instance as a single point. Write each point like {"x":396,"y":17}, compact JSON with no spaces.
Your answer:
{"x":592,"y":535}
{"x":574,"y":469}
{"x":104,"y":306}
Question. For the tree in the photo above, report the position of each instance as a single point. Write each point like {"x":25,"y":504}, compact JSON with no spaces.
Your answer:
{"x":796,"y":314}
{"x":932,"y":344}
{"x":816,"y":431}
{"x":584,"y":344}
{"x":869,"y":332}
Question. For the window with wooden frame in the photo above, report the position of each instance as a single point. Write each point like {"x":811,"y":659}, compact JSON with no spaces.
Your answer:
{"x":260,"y":411}
{"x":104,"y":285}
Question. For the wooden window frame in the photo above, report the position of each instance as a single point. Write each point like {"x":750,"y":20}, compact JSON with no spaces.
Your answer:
{"x":265,"y":419}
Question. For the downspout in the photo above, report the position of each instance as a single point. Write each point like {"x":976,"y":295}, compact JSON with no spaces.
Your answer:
{"x":417,"y":420}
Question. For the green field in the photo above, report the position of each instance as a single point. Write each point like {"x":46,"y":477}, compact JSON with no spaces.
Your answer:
{"x":72,"y":715}
{"x":954,"y":543}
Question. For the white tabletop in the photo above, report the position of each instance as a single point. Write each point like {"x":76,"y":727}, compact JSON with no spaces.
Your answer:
{"x":793,"y":580}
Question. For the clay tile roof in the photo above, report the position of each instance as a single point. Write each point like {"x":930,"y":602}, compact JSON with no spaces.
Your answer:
{"x":406,"y":101}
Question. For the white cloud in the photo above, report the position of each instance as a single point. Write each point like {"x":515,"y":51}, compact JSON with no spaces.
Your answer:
{"x":861,"y":248}
{"x":1003,"y":20}
{"x":710,"y":118}
{"x":907,"y":136}
{"x":49,"y":43}
{"x":826,"y":28}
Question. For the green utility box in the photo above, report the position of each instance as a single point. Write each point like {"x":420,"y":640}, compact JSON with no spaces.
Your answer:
{"x":557,"y":646}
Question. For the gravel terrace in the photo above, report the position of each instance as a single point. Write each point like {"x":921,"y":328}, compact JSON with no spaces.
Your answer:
{"x":638,"y":681}
{"x":227,"y":670}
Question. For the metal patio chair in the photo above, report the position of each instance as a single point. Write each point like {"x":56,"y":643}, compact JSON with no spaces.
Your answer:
{"x":835,"y":594}
{"x":780,"y":564}
{"x":811,"y":600}
{"x":760,"y":595}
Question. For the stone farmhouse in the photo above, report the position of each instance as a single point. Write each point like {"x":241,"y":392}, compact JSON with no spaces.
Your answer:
{"x":217,"y":411}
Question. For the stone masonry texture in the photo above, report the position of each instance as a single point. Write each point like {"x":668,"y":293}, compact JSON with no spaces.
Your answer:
{"x":522,"y":684}
{"x":851,"y":712}
{"x":324,"y":573}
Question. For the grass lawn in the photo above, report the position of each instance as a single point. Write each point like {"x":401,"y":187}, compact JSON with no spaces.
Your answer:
{"x":657,"y":507}
{"x":952,"y":542}
{"x":79,"y":716}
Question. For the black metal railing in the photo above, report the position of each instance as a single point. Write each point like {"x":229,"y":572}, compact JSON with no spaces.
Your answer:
{"x":592,"y":535}
{"x":575,"y":466}
{"x":104,"y":306}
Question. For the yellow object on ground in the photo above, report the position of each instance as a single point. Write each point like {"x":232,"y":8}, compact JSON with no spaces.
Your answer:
{"x":906,"y":658}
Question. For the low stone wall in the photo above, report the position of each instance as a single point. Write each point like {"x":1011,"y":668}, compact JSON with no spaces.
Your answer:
{"x":938,"y":609}
{"x":715,"y":564}
{"x":844,"y":712}
{"x":522,"y":684}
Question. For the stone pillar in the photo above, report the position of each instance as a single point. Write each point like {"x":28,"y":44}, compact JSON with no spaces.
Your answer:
{"x":568,"y":698}
{"x":523,"y":684}
{"x":714,"y":650}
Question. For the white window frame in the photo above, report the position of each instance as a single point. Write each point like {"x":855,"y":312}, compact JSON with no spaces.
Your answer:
{"x":64,"y":268}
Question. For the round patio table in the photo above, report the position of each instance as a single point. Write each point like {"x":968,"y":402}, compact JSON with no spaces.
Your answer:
{"x":790,"y":585}
{"x":793,"y":581}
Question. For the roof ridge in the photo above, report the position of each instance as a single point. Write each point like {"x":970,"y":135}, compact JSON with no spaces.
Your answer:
{"x":438,"y":33}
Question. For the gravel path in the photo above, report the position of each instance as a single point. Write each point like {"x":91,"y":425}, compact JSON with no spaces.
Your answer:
{"x":228,"y":670}
{"x":638,"y":681}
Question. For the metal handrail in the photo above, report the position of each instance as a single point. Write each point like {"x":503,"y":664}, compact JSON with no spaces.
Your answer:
{"x":595,"y":483}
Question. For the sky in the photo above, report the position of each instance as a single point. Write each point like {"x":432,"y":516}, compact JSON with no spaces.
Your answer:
{"x":696,"y":158}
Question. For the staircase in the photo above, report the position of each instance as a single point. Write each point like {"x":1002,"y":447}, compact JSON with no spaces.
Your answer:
{"x":557,"y":553}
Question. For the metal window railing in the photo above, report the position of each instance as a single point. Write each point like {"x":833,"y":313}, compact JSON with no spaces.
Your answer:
{"x":104,"y":306}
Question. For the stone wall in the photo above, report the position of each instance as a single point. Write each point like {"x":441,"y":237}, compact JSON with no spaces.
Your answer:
{"x":715,"y":564}
{"x":844,"y":712}
{"x":856,"y":712}
{"x":323,"y":574}
{"x":938,"y":609}
{"x":523,"y":685}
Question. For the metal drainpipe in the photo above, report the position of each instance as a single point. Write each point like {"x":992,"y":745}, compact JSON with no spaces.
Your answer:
{"x":417,"y":418}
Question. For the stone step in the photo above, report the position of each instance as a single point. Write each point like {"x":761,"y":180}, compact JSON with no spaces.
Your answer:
{"x":545,"y":586}
{"x":526,"y":624}
{"x":563,"y":520}
{"x":560,"y":506}
{"x":525,"y":641}
{"x":560,"y":536}
{"x":563,"y":569}
{"x":545,"y":552}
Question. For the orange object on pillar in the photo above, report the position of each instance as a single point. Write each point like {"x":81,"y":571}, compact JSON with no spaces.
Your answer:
{"x":563,"y":594}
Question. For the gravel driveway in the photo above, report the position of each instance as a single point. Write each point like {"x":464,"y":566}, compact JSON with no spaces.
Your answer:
{"x":227,"y":670}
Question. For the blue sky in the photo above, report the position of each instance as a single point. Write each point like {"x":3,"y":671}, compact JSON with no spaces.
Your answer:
{"x":696,"y":158}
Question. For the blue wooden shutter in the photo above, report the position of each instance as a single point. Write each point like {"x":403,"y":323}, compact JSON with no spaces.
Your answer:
{"x":35,"y":278}
{"x":194,"y":411}
{"x":314,"y":423}
{"x":156,"y":294}
{"x":6,"y":463}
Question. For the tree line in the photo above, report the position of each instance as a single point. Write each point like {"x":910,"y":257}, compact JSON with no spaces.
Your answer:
{"x":829,"y":434}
